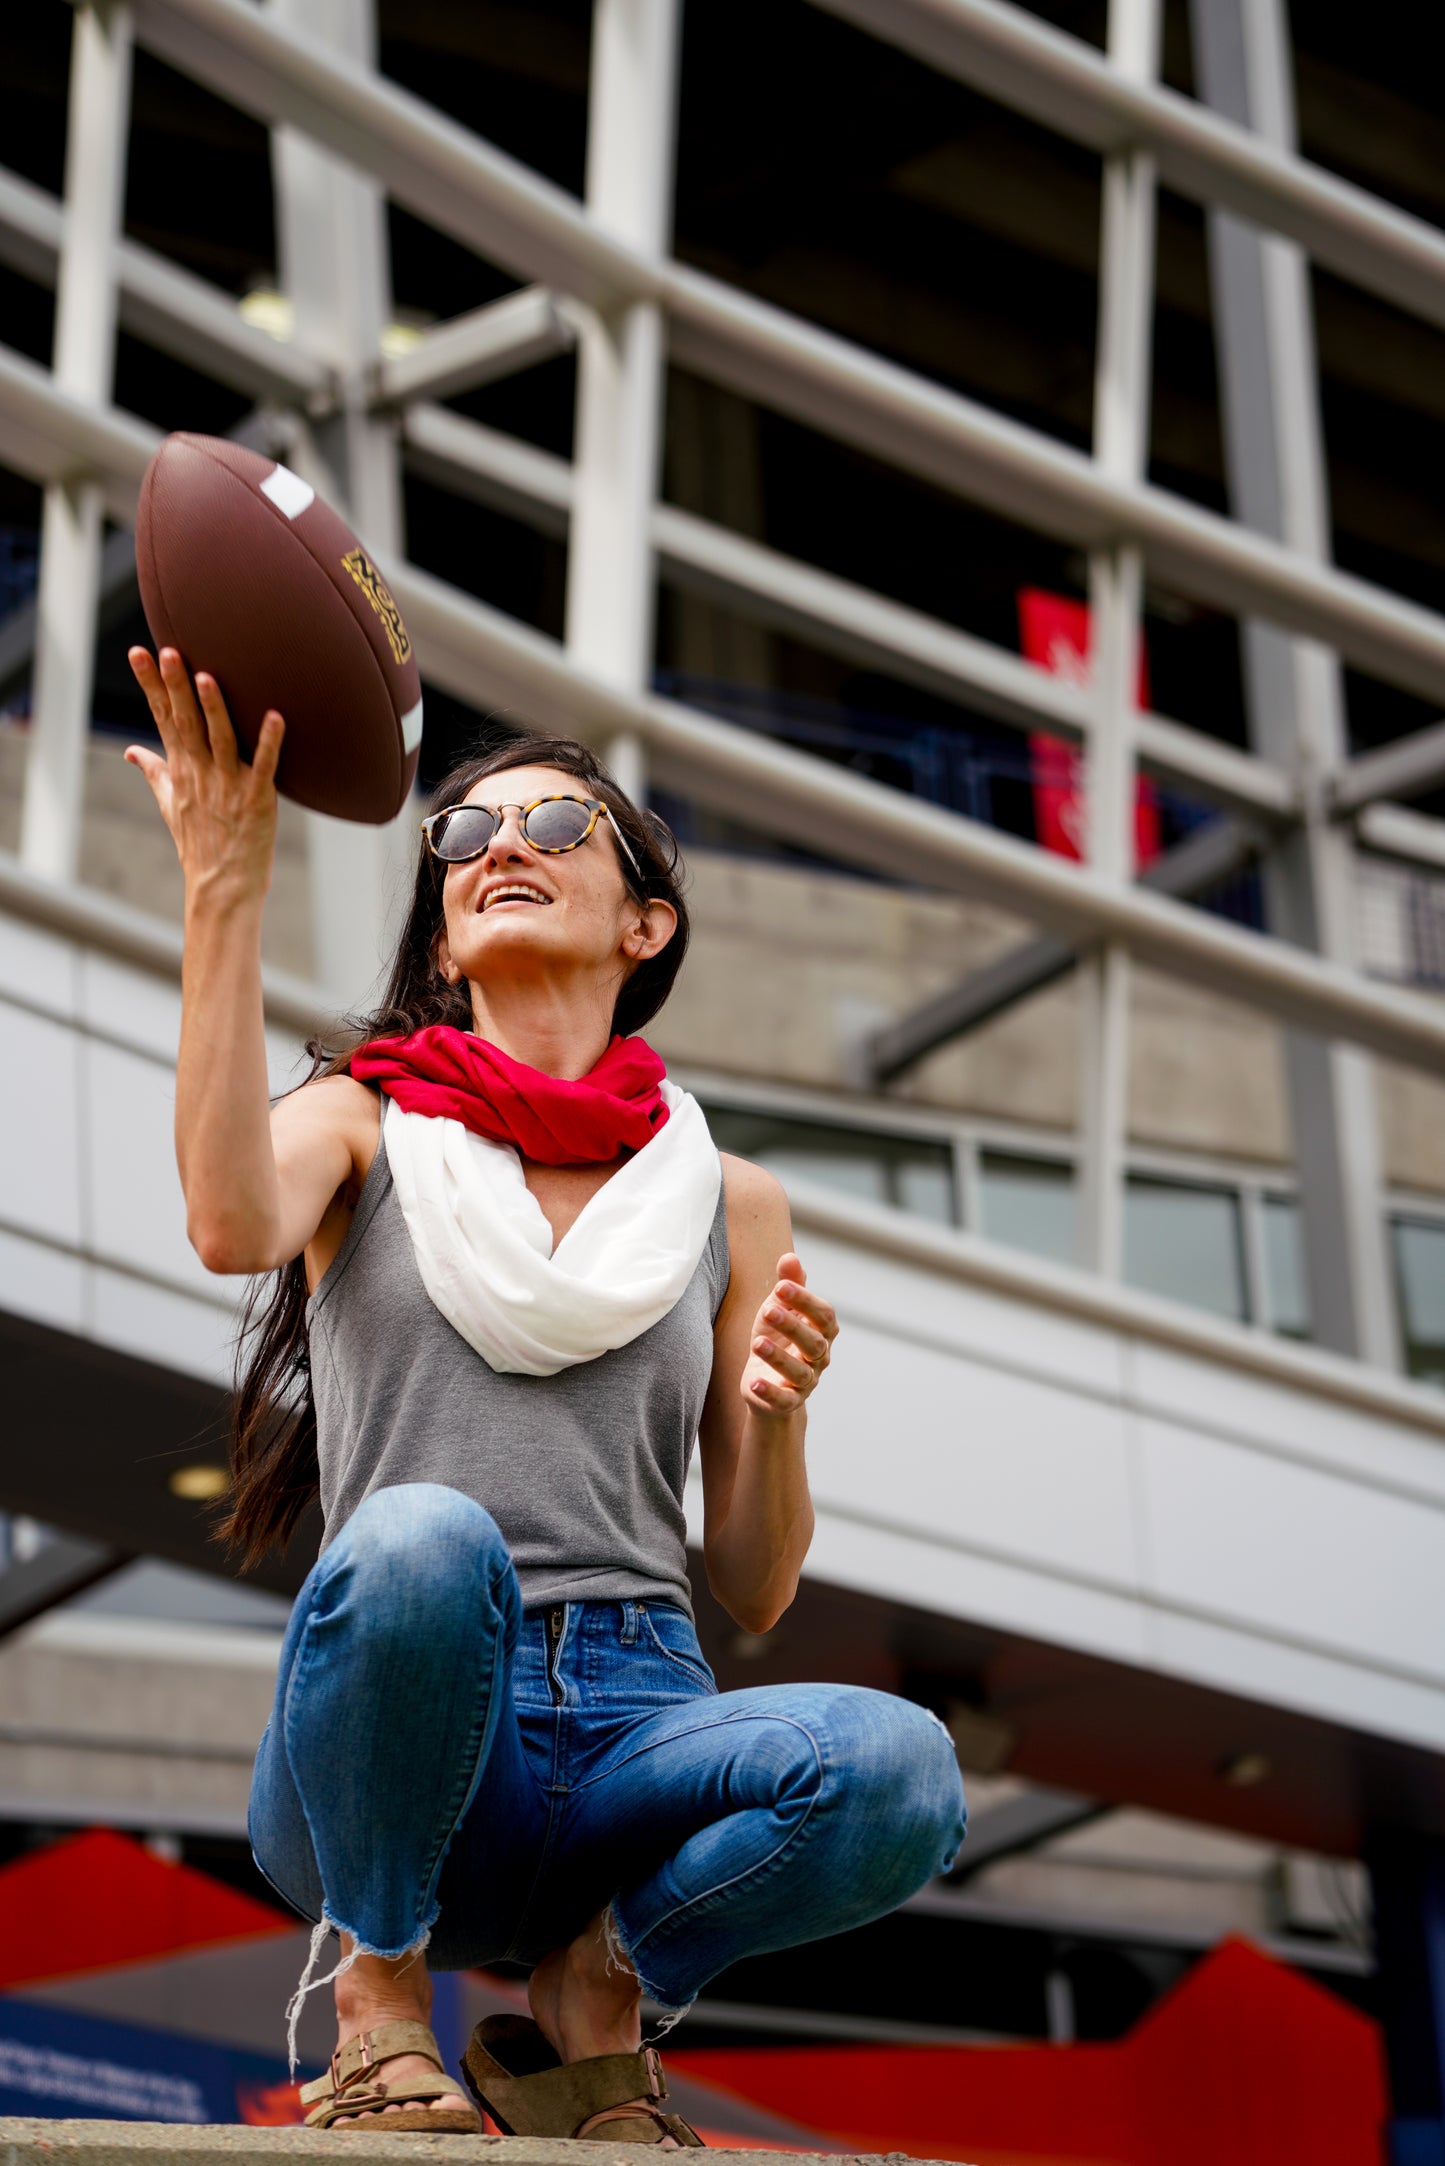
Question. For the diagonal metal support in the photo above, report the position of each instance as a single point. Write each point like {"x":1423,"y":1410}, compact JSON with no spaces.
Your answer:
{"x":65,"y":1567}
{"x":487,"y":343}
{"x":1190,"y":869}
{"x":1021,"y":1824}
{"x":1407,"y":768}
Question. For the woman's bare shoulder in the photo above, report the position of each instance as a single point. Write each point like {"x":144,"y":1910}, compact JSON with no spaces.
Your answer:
{"x":756,"y":1199}
{"x":331,"y":1106}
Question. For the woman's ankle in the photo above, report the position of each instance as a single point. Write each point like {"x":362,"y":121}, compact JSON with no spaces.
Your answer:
{"x":378,"y":1989}
{"x":586,"y":2000}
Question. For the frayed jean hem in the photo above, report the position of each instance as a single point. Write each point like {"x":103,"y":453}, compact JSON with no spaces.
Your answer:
{"x":618,"y":1958}
{"x":307,"y":1984}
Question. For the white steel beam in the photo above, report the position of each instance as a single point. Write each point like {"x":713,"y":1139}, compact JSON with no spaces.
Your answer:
{"x":836,"y":615}
{"x":1009,"y":54}
{"x":168,"y":307}
{"x":611,"y":577}
{"x":50,"y":434}
{"x":486,"y":464}
{"x":1116,"y":596}
{"x":463,"y":186}
{"x":1394,"y":832}
{"x":1274,"y":451}
{"x":501,"y":339}
{"x":335,"y":268}
{"x":71,"y":523}
{"x":1407,"y":768}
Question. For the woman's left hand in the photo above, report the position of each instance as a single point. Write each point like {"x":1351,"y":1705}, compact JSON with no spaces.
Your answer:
{"x":791,"y":1344}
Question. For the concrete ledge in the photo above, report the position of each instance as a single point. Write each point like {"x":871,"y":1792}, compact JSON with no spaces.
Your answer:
{"x":25,"y":2142}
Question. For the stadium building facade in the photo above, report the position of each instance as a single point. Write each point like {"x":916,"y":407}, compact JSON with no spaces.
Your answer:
{"x":974,"y":468}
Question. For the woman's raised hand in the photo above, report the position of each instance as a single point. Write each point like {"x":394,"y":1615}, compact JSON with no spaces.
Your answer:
{"x":791,"y":1344}
{"x":220,"y":811}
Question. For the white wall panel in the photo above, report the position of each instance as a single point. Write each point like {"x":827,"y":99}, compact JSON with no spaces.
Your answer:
{"x":1357,"y":1694}
{"x":180,"y":1331}
{"x":138,"y":1211}
{"x":925,"y":1304}
{"x":132,"y":1005}
{"x":931,"y":1576}
{"x":1319,"y":1559}
{"x":1213,"y":1395}
{"x":983,"y":1456}
{"x":40,"y":1138}
{"x":41,"y":1283}
{"x":37,"y":967}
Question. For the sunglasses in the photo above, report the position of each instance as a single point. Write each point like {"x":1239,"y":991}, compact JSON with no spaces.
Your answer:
{"x":552,"y":825}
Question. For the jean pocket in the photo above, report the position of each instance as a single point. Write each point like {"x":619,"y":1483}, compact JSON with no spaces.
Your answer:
{"x":672,"y":1636}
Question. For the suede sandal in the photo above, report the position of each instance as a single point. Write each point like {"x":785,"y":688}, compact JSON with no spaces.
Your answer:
{"x":613,"y":2098}
{"x":342,"y":2092}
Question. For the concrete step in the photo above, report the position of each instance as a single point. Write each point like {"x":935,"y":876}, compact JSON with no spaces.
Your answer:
{"x":26,"y":2142}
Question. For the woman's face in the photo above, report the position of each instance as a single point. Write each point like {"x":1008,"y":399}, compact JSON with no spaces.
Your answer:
{"x":517,"y":911}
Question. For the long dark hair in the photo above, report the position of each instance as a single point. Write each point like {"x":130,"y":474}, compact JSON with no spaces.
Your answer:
{"x":274,"y":1471}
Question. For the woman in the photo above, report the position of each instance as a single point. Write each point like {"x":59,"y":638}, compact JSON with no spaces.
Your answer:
{"x":515,"y":1282}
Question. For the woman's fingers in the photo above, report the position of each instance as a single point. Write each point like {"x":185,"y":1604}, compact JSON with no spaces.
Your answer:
{"x":186,"y":717}
{"x":268,"y":748}
{"x":157,"y":774}
{"x":219,"y":733}
{"x":806,"y":1336}
{"x":148,"y":677}
{"x":794,"y":1366}
{"x":778,"y":1397}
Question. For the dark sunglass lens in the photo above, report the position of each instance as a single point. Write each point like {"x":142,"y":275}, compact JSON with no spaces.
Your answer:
{"x":559,"y":824}
{"x":464,"y":833}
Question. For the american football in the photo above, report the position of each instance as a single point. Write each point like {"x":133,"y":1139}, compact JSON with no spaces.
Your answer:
{"x":254,"y":578}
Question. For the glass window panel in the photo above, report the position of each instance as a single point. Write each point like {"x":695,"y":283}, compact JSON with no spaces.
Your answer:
{"x":1028,"y":1203}
{"x":926,"y":1188}
{"x":1184,"y":1243}
{"x":913,"y":1173}
{"x":1286,"y":1294}
{"x":1420,"y":1267}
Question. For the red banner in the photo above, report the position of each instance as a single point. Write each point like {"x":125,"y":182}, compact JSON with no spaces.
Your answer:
{"x":1055,"y":634}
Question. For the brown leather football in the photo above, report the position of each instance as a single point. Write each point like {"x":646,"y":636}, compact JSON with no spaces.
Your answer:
{"x":256,"y":580}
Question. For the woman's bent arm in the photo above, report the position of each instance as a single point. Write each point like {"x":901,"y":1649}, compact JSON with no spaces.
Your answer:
{"x":240,"y":1215}
{"x":770,"y":1344}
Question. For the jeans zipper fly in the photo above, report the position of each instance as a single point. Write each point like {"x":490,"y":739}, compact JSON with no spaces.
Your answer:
{"x":556,"y":1620}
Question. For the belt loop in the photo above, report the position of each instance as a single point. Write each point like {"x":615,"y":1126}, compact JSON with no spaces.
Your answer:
{"x":629,"y":1624}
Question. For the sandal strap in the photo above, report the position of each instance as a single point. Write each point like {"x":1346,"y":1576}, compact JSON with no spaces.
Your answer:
{"x":349,"y":2063}
{"x":631,"y":2109}
{"x":358,"y":2099}
{"x":558,"y":2100}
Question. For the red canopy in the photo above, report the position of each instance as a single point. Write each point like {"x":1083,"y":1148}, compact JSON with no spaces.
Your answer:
{"x":98,"y":1900}
{"x":1245,"y":2061}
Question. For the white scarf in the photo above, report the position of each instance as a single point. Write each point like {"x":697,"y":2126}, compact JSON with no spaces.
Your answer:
{"x":484,"y":1248}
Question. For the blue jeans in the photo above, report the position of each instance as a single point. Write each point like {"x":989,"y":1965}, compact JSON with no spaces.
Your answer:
{"x":442,"y":1762}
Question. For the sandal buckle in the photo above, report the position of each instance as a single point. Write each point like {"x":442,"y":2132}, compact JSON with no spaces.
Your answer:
{"x":362,"y":2043}
{"x":656,"y":2081}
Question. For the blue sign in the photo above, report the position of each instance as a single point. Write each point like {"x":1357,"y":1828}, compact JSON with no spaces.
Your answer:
{"x":72,"y":2067}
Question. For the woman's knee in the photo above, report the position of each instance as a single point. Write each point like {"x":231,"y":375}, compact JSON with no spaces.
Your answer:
{"x":899,"y":1763}
{"x":421,"y":1547}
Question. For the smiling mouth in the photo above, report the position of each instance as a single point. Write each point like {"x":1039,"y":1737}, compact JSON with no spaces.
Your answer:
{"x":513,"y":893}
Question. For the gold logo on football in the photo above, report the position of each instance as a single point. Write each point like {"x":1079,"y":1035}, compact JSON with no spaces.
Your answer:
{"x":379,"y":594}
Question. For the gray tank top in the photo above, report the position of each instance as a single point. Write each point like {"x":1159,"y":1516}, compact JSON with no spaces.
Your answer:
{"x":582,"y":1471}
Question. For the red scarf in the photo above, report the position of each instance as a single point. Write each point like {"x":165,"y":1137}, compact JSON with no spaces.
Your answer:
{"x":616,"y":1106}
